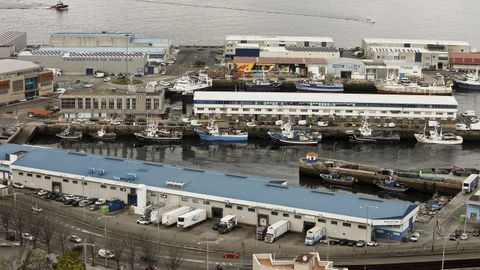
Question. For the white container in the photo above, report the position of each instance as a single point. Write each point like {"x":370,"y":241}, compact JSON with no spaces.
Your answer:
{"x":171,"y":217}
{"x":276,"y":230}
{"x":191,"y":218}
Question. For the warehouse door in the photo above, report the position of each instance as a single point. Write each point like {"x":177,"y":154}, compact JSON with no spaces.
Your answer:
{"x":262,"y":220}
{"x":151,"y":70}
{"x":418,"y":57}
{"x":307,"y":226}
{"x":89,"y":71}
{"x":345,"y":74}
{"x":57,"y":187}
{"x":132,"y":199}
{"x":217,"y":212}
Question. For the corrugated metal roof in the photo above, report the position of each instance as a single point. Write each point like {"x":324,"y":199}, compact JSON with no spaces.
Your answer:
{"x":211,"y":183}
{"x":90,"y":34}
{"x":9,"y":36}
{"x":459,"y":58}
{"x":325,"y":97}
{"x":13,"y":65}
{"x":278,"y":38}
{"x":399,"y":49}
{"x":279,"y":60}
{"x":311,"y":49}
{"x":414,"y":41}
{"x":155,"y":41}
{"x":156,"y":50}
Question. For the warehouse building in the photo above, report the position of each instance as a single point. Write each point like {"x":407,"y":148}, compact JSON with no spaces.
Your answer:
{"x":305,"y":261}
{"x":466,"y":62}
{"x":311,"y":106}
{"x":113,"y":103}
{"x":11,"y":42}
{"x":249,"y":45}
{"x":344,"y":68}
{"x":23,"y":80}
{"x":434,"y":45}
{"x":143,"y":183}
{"x":377,"y":70}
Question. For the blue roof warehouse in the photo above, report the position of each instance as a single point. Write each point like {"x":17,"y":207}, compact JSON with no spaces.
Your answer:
{"x":253,"y":200}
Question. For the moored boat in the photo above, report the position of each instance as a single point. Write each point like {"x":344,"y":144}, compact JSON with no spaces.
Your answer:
{"x":318,"y":84}
{"x":69,"y":135}
{"x":213,"y":133}
{"x":103,"y":135}
{"x":189,"y":84}
{"x":288,"y":135}
{"x":470,"y":82}
{"x":59,"y":6}
{"x":391,"y":185}
{"x":337,"y":179}
{"x":391,"y":86}
{"x":153,"y":134}
{"x":368,"y":135}
{"x":436,"y":136}
{"x":263,"y":85}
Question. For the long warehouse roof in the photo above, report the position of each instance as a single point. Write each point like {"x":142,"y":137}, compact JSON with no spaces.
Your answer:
{"x":211,"y":183}
{"x":415,"y":41}
{"x":325,"y":97}
{"x":13,"y":65}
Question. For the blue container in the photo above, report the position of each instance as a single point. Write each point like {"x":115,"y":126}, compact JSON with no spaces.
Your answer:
{"x":115,"y":205}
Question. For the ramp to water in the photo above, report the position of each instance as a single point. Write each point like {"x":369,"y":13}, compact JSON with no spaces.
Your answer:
{"x":22,"y":137}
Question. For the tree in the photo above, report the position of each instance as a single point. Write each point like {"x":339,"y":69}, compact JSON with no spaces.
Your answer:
{"x":150,"y":253}
{"x":6,"y":264}
{"x":48,"y":231}
{"x":91,"y":248}
{"x":34,"y":260}
{"x":6,"y":216}
{"x":62,"y":237}
{"x":20,"y":218}
{"x":131,"y":252}
{"x":35,"y":227}
{"x":174,"y":258}
{"x":117,"y":246}
{"x":69,"y":261}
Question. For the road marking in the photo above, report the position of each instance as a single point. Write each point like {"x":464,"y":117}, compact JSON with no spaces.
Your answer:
{"x":96,"y":234}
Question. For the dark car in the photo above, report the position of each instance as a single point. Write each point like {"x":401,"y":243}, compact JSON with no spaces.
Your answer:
{"x":343,"y":242}
{"x":68,"y":201}
{"x":93,"y":207}
{"x":457,"y":233}
{"x":476,"y":232}
{"x":334,"y":242}
{"x":76,"y":202}
{"x":453,"y":237}
{"x":350,"y":243}
{"x":215,"y":226}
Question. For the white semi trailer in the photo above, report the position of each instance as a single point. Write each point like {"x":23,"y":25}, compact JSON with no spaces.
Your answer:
{"x":171,"y":217}
{"x":191,"y":218}
{"x":276,"y":230}
{"x":227,"y":224}
{"x":314,"y":235}
{"x":156,"y":215}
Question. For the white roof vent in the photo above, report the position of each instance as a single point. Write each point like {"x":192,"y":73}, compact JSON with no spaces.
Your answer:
{"x":176,"y":184}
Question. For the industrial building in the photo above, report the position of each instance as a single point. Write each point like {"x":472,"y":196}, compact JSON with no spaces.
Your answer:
{"x":431,"y":54}
{"x":466,"y":62}
{"x":23,"y":80}
{"x":87,"y":53}
{"x":376,"y":70}
{"x":305,"y":261}
{"x":11,"y":42}
{"x":251,"y":45}
{"x":344,"y":68}
{"x":312,"y":106}
{"x":90,"y":103}
{"x":254,"y":201}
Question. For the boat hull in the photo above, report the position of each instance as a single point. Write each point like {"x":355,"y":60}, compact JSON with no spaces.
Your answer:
{"x":374,"y":139}
{"x":69,"y":138}
{"x":391,"y":189}
{"x":304,"y":87}
{"x":337,"y":182}
{"x":263,"y":88}
{"x":223,"y":138}
{"x":141,"y":137}
{"x":410,"y":92}
{"x":464,"y":86}
{"x":282,"y":140}
{"x":104,"y":138}
{"x":422,"y":139}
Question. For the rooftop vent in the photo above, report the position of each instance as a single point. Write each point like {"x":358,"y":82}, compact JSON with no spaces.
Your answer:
{"x":177,"y":184}
{"x":101,"y":171}
{"x":91,"y":170}
{"x":142,"y":170}
{"x":322,"y":192}
{"x":131,"y":177}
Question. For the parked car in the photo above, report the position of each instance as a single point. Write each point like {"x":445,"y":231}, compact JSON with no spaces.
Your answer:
{"x":461,"y":127}
{"x":372,"y":244}
{"x":75,"y":238}
{"x":343,"y":242}
{"x":101,"y":201}
{"x":93,"y":207}
{"x":334,"y":242}
{"x":322,"y":124}
{"x":453,"y":237}
{"x":476,"y":232}
{"x":18,"y":185}
{"x":350,"y":243}
{"x":105,"y":253}
{"x":391,"y":125}
{"x":464,"y":236}
{"x":42,"y":192}
{"x":415,"y":236}
{"x":231,"y":255}
{"x":215,"y":226}
{"x":143,"y":220}
{"x":360,"y":243}
{"x":107,"y":79}
{"x":27,"y":236}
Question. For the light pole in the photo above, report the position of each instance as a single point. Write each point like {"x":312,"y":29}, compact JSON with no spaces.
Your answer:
{"x":85,"y":244}
{"x":208,"y":244}
{"x":126,"y":58}
{"x":441,"y":235}
{"x":334,"y":145}
{"x":366,"y":223}
{"x":105,"y":236}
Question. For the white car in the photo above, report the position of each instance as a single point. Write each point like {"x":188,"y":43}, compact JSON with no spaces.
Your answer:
{"x":27,"y":236}
{"x":75,"y":238}
{"x":143,"y":220}
{"x":88,"y":85}
{"x":251,"y":124}
{"x":42,"y":192}
{"x":464,"y":236}
{"x":415,"y":236}
{"x":360,"y":243}
{"x":18,"y":185}
{"x":461,"y":127}
{"x":164,"y":83}
{"x":107,"y":79}
{"x":391,"y":125}
{"x":186,"y":120}
{"x":372,"y":244}
{"x":36,"y":209}
{"x":322,"y":124}
{"x":105,"y":253}
{"x":195,"y":123}
{"x":101,"y":201}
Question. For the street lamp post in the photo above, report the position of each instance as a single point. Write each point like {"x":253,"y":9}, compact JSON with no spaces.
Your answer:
{"x":126,"y":57}
{"x":334,"y":145}
{"x":85,"y":244}
{"x":104,"y":217}
{"x":208,"y":248}
{"x":367,"y":223}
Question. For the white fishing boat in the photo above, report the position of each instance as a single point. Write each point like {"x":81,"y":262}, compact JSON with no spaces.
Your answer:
{"x":189,"y":84}
{"x":214,"y":133}
{"x":366,"y":134}
{"x":153,"y":134}
{"x":436,"y":136}
{"x":69,"y":135}
{"x":288,"y":135}
{"x":103,"y":135}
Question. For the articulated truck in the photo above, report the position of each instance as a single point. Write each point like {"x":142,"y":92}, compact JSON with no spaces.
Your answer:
{"x":191,"y":218}
{"x":171,"y":217}
{"x":227,"y":224}
{"x":276,"y":230}
{"x":156,"y":215}
{"x":314,"y":235}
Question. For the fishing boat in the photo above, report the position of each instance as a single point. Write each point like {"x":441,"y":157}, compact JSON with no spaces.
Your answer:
{"x":318,"y":84}
{"x":69,"y":135}
{"x":368,"y":135}
{"x":189,"y":84}
{"x":263,"y":85}
{"x":59,"y":6}
{"x":288,"y":135}
{"x":213,"y":133}
{"x":103,"y":135}
{"x":391,"y":85}
{"x":337,"y":179}
{"x":391,"y":185}
{"x":436,"y":136}
{"x":153,"y":134}
{"x":469,"y":82}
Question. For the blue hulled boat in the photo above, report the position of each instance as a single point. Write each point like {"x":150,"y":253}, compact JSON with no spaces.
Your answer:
{"x":391,"y":185}
{"x":318,"y":84}
{"x":213,"y":133}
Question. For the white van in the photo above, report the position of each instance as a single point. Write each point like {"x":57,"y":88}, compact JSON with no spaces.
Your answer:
{"x":99,"y":75}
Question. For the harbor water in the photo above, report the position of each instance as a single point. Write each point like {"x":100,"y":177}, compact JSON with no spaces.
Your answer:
{"x":190,"y":22}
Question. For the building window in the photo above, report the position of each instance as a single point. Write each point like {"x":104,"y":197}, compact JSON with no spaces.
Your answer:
{"x":184,"y":199}
{"x":80,"y":103}
{"x":123,"y":189}
{"x":345,"y":224}
{"x":274,"y":213}
{"x":103,"y":103}
{"x":195,"y":200}
{"x":20,"y":173}
{"x":206,"y":202}
{"x":228,"y":206}
{"x":65,"y":180}
{"x":246,"y":110}
{"x":363,"y":227}
{"x":333,"y":222}
{"x":240,"y":208}
{"x":164,"y":196}
{"x":111,"y":103}
{"x":285,"y":215}
{"x":29,"y":175}
{"x":38,"y":176}
{"x":113,"y":188}
{"x":321,"y":220}
{"x":156,"y":103}
{"x":251,"y":210}
{"x":68,"y":103}
{"x":119,"y":103}
{"x":134,"y":103}
{"x":103,"y":186}
{"x":75,"y":182}
{"x":17,"y":86}
{"x":88,"y":103}
{"x":297,"y":216}
{"x":211,"y":109}
{"x":148,"y":104}
{"x":95,"y":103}
{"x":258,"y":110}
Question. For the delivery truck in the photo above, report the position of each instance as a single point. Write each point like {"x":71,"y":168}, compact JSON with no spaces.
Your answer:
{"x":191,"y":218}
{"x":227,"y":224}
{"x":171,"y":217}
{"x":314,"y":235}
{"x":156,"y":215}
{"x":276,"y":230}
